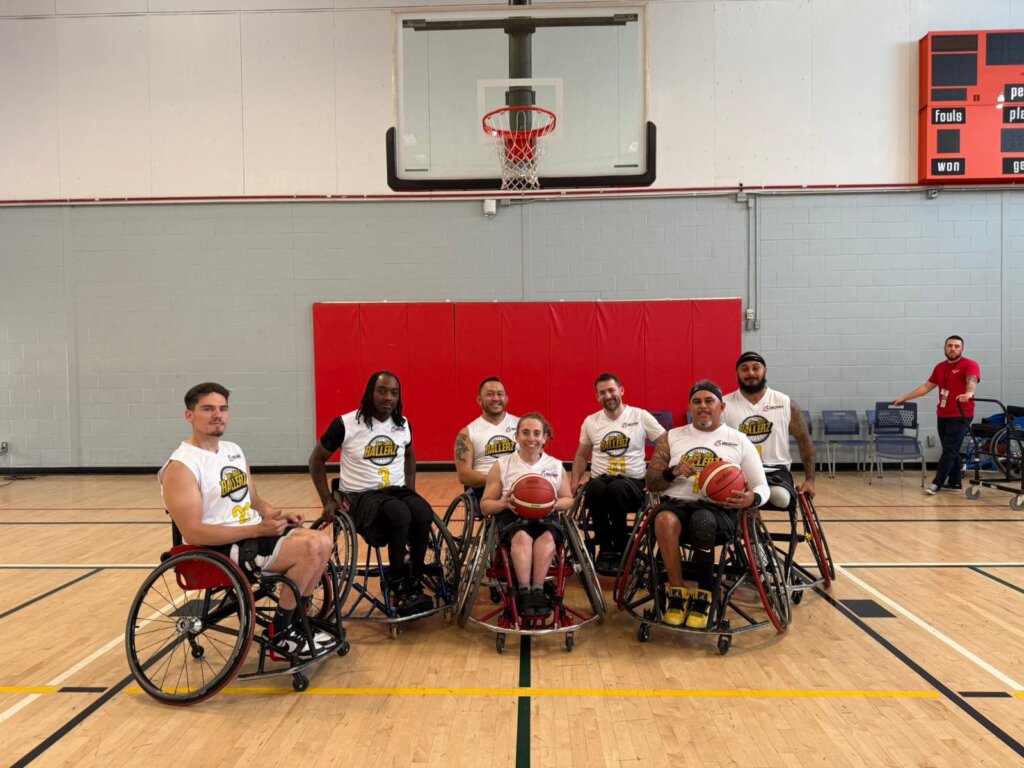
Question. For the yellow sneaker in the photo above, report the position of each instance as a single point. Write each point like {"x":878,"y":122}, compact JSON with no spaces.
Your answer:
{"x":678,"y":599}
{"x":700,"y":609}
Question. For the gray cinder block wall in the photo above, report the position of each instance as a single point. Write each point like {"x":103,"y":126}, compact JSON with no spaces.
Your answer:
{"x":108,"y":313}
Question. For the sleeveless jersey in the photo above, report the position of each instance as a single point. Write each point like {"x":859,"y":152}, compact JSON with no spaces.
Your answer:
{"x":511,"y":467}
{"x":373,"y":457}
{"x":765,"y":423}
{"x":223,"y":483}
{"x":492,"y":441}
{"x":702,"y":448}
{"x":618,"y":445}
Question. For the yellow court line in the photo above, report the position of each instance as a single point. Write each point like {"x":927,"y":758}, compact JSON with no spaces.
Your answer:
{"x":29,"y":688}
{"x":595,"y":692}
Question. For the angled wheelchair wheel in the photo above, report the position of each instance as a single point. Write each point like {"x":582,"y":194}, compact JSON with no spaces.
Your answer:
{"x":1006,"y":450}
{"x":460,"y":519}
{"x":477,"y":558}
{"x":765,"y":570}
{"x":579,"y":513}
{"x":345,"y":552}
{"x":634,"y":571}
{"x":818,"y":542}
{"x":441,"y":566}
{"x":190,"y":627}
{"x":584,"y":567}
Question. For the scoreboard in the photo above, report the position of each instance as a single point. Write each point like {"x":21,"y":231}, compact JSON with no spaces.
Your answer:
{"x":971,"y":118}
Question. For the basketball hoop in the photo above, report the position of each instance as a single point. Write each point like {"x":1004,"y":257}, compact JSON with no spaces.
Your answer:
{"x":519,"y":135}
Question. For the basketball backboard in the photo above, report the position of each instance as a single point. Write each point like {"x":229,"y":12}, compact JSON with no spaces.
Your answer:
{"x":587,"y":65}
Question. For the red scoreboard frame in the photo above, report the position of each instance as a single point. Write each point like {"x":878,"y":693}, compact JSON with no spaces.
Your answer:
{"x":971,"y":119}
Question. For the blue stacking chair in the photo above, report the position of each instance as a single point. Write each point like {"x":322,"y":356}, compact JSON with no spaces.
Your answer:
{"x":842,"y":430}
{"x":894,"y":437}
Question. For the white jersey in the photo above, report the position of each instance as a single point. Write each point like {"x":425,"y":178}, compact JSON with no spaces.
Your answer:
{"x":618,"y":444}
{"x":702,"y":448}
{"x":223,"y":483}
{"x":765,"y":423}
{"x":512,"y":467}
{"x":373,"y":457}
{"x":492,"y":441}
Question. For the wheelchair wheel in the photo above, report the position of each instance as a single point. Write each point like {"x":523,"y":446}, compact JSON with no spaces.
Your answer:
{"x":584,"y":568}
{"x":460,"y":520}
{"x":634,"y":572}
{"x":818,"y":542}
{"x":344,"y":555}
{"x":478,"y":554}
{"x":442,"y":564}
{"x":1006,"y":450}
{"x":190,"y":627}
{"x":579,"y":513}
{"x":765,"y":570}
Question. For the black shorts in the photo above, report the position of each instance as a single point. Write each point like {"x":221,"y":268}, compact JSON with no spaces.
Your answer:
{"x":257,"y":555}
{"x":509,"y":524}
{"x":365,"y":511}
{"x":725,"y":519}
{"x":779,"y":476}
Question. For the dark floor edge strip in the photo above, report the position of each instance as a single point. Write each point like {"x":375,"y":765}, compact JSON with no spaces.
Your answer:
{"x":523,"y":708}
{"x":71,"y":724}
{"x":1004,"y":582}
{"x":53,"y":591}
{"x":80,"y":689}
{"x":987,"y":724}
{"x":985,"y":695}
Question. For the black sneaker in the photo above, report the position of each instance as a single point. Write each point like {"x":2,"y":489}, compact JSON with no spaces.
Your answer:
{"x":292,"y":643}
{"x":410,"y":600}
{"x":954,"y":487}
{"x":608,"y":563}
{"x":536,"y":604}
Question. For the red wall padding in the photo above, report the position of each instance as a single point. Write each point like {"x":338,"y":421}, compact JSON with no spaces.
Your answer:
{"x":547,"y":354}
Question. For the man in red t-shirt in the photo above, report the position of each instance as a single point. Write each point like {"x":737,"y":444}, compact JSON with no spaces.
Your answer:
{"x":956,"y":377}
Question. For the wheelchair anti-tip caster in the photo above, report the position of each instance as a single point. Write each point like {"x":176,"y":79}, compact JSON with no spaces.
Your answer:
{"x":499,"y":643}
{"x":300,"y":682}
{"x":570,"y":642}
{"x":643,"y":633}
{"x":343,"y":648}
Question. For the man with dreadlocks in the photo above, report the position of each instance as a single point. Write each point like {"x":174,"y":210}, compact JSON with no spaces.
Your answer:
{"x":378,"y":473}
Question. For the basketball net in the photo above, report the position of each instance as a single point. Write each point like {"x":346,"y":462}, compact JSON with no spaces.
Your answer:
{"x":519,"y":135}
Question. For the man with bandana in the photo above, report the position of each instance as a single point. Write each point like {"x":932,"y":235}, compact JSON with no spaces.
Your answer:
{"x":956,"y":377}
{"x":768,"y":417}
{"x":679,"y":456}
{"x":613,"y":439}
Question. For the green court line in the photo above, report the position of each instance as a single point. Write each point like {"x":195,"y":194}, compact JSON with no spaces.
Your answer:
{"x":523,"y":724}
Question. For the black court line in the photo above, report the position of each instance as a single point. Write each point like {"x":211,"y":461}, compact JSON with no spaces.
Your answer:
{"x":81,"y":522}
{"x":986,"y":695}
{"x":867,"y":609}
{"x":523,"y":723}
{"x":80,"y":689}
{"x":925,"y":520}
{"x":71,"y":724}
{"x":53,"y":591}
{"x":955,"y":699}
{"x":1005,"y":583}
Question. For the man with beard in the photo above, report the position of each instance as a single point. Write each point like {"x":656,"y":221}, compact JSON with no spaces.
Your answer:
{"x":614,"y":439}
{"x":679,"y":457}
{"x":768,"y":417}
{"x":956,"y":377}
{"x":486,"y":439}
{"x":378,"y":472}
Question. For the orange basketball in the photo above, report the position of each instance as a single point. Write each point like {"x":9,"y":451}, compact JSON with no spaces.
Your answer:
{"x":532,"y":497}
{"x":719,"y":479}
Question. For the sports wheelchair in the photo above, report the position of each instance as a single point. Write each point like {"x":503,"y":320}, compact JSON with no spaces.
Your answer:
{"x":584,"y":519}
{"x":194,"y":619}
{"x":800,"y":514}
{"x":461,"y":519}
{"x":370,"y":600}
{"x":996,"y":446}
{"x":487,"y":558}
{"x":748,"y":558}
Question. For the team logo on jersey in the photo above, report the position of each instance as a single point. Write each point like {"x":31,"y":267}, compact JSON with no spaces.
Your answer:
{"x":233,"y":483}
{"x":499,"y":445}
{"x":614,"y":444}
{"x":757,"y":428}
{"x":381,"y":451}
{"x":699,"y":457}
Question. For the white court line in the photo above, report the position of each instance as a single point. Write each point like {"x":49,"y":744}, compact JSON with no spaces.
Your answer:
{"x":13,"y":710}
{"x":943,"y":564}
{"x":1006,"y":679}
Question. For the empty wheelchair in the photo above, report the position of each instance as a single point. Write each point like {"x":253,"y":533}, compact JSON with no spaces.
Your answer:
{"x":371,"y":598}
{"x":193,"y":621}
{"x":488,"y":560}
{"x":800,"y":525}
{"x":747,"y":565}
{"x":995,"y":446}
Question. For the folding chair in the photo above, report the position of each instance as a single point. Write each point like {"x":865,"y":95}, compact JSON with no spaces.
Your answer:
{"x":842,"y":430}
{"x":895,"y":438}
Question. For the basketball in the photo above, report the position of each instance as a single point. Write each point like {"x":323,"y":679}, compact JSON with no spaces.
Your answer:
{"x":719,"y":479}
{"x":532,"y":497}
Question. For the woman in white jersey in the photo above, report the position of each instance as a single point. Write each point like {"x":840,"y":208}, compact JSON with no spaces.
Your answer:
{"x":533,"y":542}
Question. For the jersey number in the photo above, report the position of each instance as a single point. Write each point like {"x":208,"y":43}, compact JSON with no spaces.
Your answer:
{"x":616,"y":466}
{"x":385,"y":477}
{"x":242,"y":514}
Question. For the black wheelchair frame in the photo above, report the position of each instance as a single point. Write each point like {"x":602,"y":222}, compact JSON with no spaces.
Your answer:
{"x":1004,"y":447}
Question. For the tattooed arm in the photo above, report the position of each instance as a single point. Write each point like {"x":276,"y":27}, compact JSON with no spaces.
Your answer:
{"x":464,"y":458}
{"x":802,"y":434}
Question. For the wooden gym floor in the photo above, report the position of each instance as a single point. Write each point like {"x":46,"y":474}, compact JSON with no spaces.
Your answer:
{"x":936,"y":680}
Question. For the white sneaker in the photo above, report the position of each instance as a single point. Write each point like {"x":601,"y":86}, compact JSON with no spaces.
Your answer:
{"x":932,"y":489}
